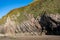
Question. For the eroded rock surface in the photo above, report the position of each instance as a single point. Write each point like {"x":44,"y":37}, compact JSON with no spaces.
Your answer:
{"x":30,"y":26}
{"x":51,"y":23}
{"x":47,"y":23}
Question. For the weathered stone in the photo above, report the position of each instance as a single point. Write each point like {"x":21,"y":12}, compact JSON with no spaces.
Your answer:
{"x":50,"y":23}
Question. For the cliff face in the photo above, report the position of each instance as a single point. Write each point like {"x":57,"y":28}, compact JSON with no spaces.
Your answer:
{"x":50,"y":23}
{"x":29,"y":26}
{"x":26,"y":19}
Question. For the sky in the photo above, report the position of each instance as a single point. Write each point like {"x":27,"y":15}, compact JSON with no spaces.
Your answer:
{"x":8,"y":5}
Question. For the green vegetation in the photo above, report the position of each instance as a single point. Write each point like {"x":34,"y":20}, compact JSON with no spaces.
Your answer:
{"x":37,"y":7}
